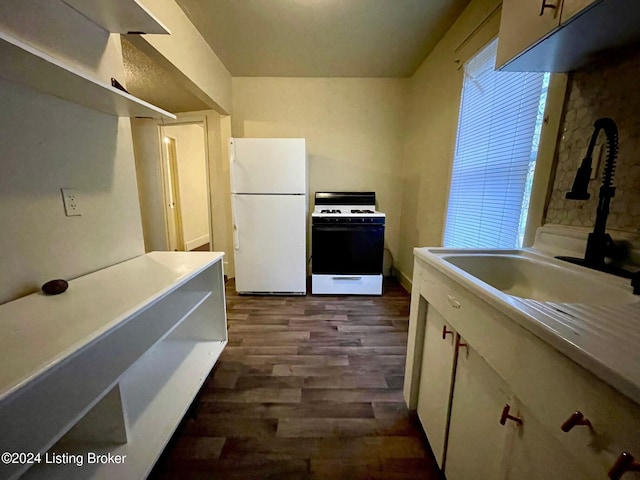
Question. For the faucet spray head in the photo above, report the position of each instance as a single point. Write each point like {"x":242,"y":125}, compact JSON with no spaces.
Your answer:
{"x":581,"y":182}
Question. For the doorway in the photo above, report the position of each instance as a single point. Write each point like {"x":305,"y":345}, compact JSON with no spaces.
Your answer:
{"x":185,"y":177}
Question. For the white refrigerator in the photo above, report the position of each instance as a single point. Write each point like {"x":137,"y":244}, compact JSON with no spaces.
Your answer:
{"x":269,"y":207}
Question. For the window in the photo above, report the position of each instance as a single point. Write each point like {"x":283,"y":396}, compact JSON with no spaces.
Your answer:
{"x":496,"y":148}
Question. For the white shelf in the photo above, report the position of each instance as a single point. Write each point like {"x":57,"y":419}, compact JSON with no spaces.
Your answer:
{"x":119,"y":16}
{"x":28,"y":66}
{"x":157,"y":391}
{"x":98,"y":302}
{"x":118,"y":357}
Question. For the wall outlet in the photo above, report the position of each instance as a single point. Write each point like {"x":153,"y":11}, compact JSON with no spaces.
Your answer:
{"x":71,"y":202}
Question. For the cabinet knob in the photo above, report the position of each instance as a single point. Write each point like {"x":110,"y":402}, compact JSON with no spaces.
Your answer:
{"x":577,"y":418}
{"x":446,"y":332}
{"x":453,"y":302}
{"x":625,"y":463}
{"x":505,"y":416}
{"x":546,"y":5}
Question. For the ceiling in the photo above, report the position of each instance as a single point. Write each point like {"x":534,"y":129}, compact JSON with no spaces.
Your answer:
{"x":299,"y":38}
{"x":322,"y":38}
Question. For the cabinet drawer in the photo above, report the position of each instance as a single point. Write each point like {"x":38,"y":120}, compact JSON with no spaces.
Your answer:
{"x":554,"y":387}
{"x":493,"y":336}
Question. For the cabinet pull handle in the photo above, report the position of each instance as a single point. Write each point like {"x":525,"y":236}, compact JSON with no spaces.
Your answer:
{"x":505,"y":416}
{"x":576,"y":419}
{"x":446,"y":332}
{"x":625,"y":463}
{"x":452,"y":300}
{"x":546,"y":5}
{"x":462,"y":345}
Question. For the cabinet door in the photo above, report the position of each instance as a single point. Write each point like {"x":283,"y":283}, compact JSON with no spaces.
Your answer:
{"x":436,"y":377}
{"x":534,"y":453}
{"x":571,"y":7}
{"x":522,"y":25}
{"x":477,"y":441}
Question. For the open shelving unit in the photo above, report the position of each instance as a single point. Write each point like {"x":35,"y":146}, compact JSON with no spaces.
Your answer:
{"x":28,"y":66}
{"x":119,"y":16}
{"x":110,"y":366}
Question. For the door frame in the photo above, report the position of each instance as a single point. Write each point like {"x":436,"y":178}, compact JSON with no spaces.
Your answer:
{"x":171,"y":193}
{"x":187,"y":120}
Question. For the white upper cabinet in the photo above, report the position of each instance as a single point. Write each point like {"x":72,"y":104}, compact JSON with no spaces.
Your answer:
{"x":119,"y":16}
{"x":572,"y":7}
{"x":524,"y":23}
{"x":563,"y":35}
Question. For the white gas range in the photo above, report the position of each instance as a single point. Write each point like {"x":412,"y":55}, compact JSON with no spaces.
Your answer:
{"x":347,"y":244}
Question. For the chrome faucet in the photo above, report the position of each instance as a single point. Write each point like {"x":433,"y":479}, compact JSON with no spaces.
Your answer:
{"x":600,"y":245}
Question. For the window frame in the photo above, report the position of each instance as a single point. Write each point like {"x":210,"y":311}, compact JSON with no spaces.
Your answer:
{"x":546,"y":160}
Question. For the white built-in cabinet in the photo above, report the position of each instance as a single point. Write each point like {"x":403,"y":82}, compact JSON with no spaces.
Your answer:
{"x":27,"y":65}
{"x":573,"y":7}
{"x":476,"y":438}
{"x":492,"y":397}
{"x":438,"y":361}
{"x":524,"y":23}
{"x":563,"y":35}
{"x":110,"y":366}
{"x":494,"y":436}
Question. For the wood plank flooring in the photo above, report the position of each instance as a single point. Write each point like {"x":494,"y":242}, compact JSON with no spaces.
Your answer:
{"x":307,"y":388}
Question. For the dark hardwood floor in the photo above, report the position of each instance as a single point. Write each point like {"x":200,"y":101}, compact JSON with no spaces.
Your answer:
{"x":202,"y":248}
{"x":307,"y":388}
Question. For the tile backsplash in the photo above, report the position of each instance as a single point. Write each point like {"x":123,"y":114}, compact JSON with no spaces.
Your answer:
{"x":608,"y":89}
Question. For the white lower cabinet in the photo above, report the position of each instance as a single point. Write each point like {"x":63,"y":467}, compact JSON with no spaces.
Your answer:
{"x":492,"y":434}
{"x":476,"y":438}
{"x":533,"y":454}
{"x":434,"y":392}
{"x":116,"y":363}
{"x":492,"y":397}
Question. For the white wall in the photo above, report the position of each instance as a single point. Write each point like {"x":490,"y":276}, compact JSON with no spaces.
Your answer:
{"x":432,"y":119}
{"x":353,"y":127}
{"x":47,"y":144}
{"x":148,"y":156}
{"x":187,"y":56}
{"x":147,"y":142}
{"x":192,"y":182}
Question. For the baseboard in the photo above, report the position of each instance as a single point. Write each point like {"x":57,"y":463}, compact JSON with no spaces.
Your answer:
{"x":403,"y":279}
{"x":196,"y":242}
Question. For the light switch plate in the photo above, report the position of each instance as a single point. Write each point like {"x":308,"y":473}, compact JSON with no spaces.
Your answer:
{"x":71,"y":202}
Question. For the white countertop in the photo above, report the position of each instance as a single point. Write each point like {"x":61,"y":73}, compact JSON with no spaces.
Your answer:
{"x":604,"y":339}
{"x":38,"y":331}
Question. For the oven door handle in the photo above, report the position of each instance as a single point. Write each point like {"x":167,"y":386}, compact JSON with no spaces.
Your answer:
{"x":342,"y":277}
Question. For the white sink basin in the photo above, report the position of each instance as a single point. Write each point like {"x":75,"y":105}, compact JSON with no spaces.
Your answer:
{"x":521,"y":274}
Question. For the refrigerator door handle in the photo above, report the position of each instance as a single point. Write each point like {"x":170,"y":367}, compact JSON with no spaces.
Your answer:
{"x":231,"y":164}
{"x":236,"y":237}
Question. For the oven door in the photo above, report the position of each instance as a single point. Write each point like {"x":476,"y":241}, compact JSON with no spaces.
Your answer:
{"x":347,"y":249}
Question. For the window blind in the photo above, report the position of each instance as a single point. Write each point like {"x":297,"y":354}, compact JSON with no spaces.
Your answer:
{"x":496,"y":147}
